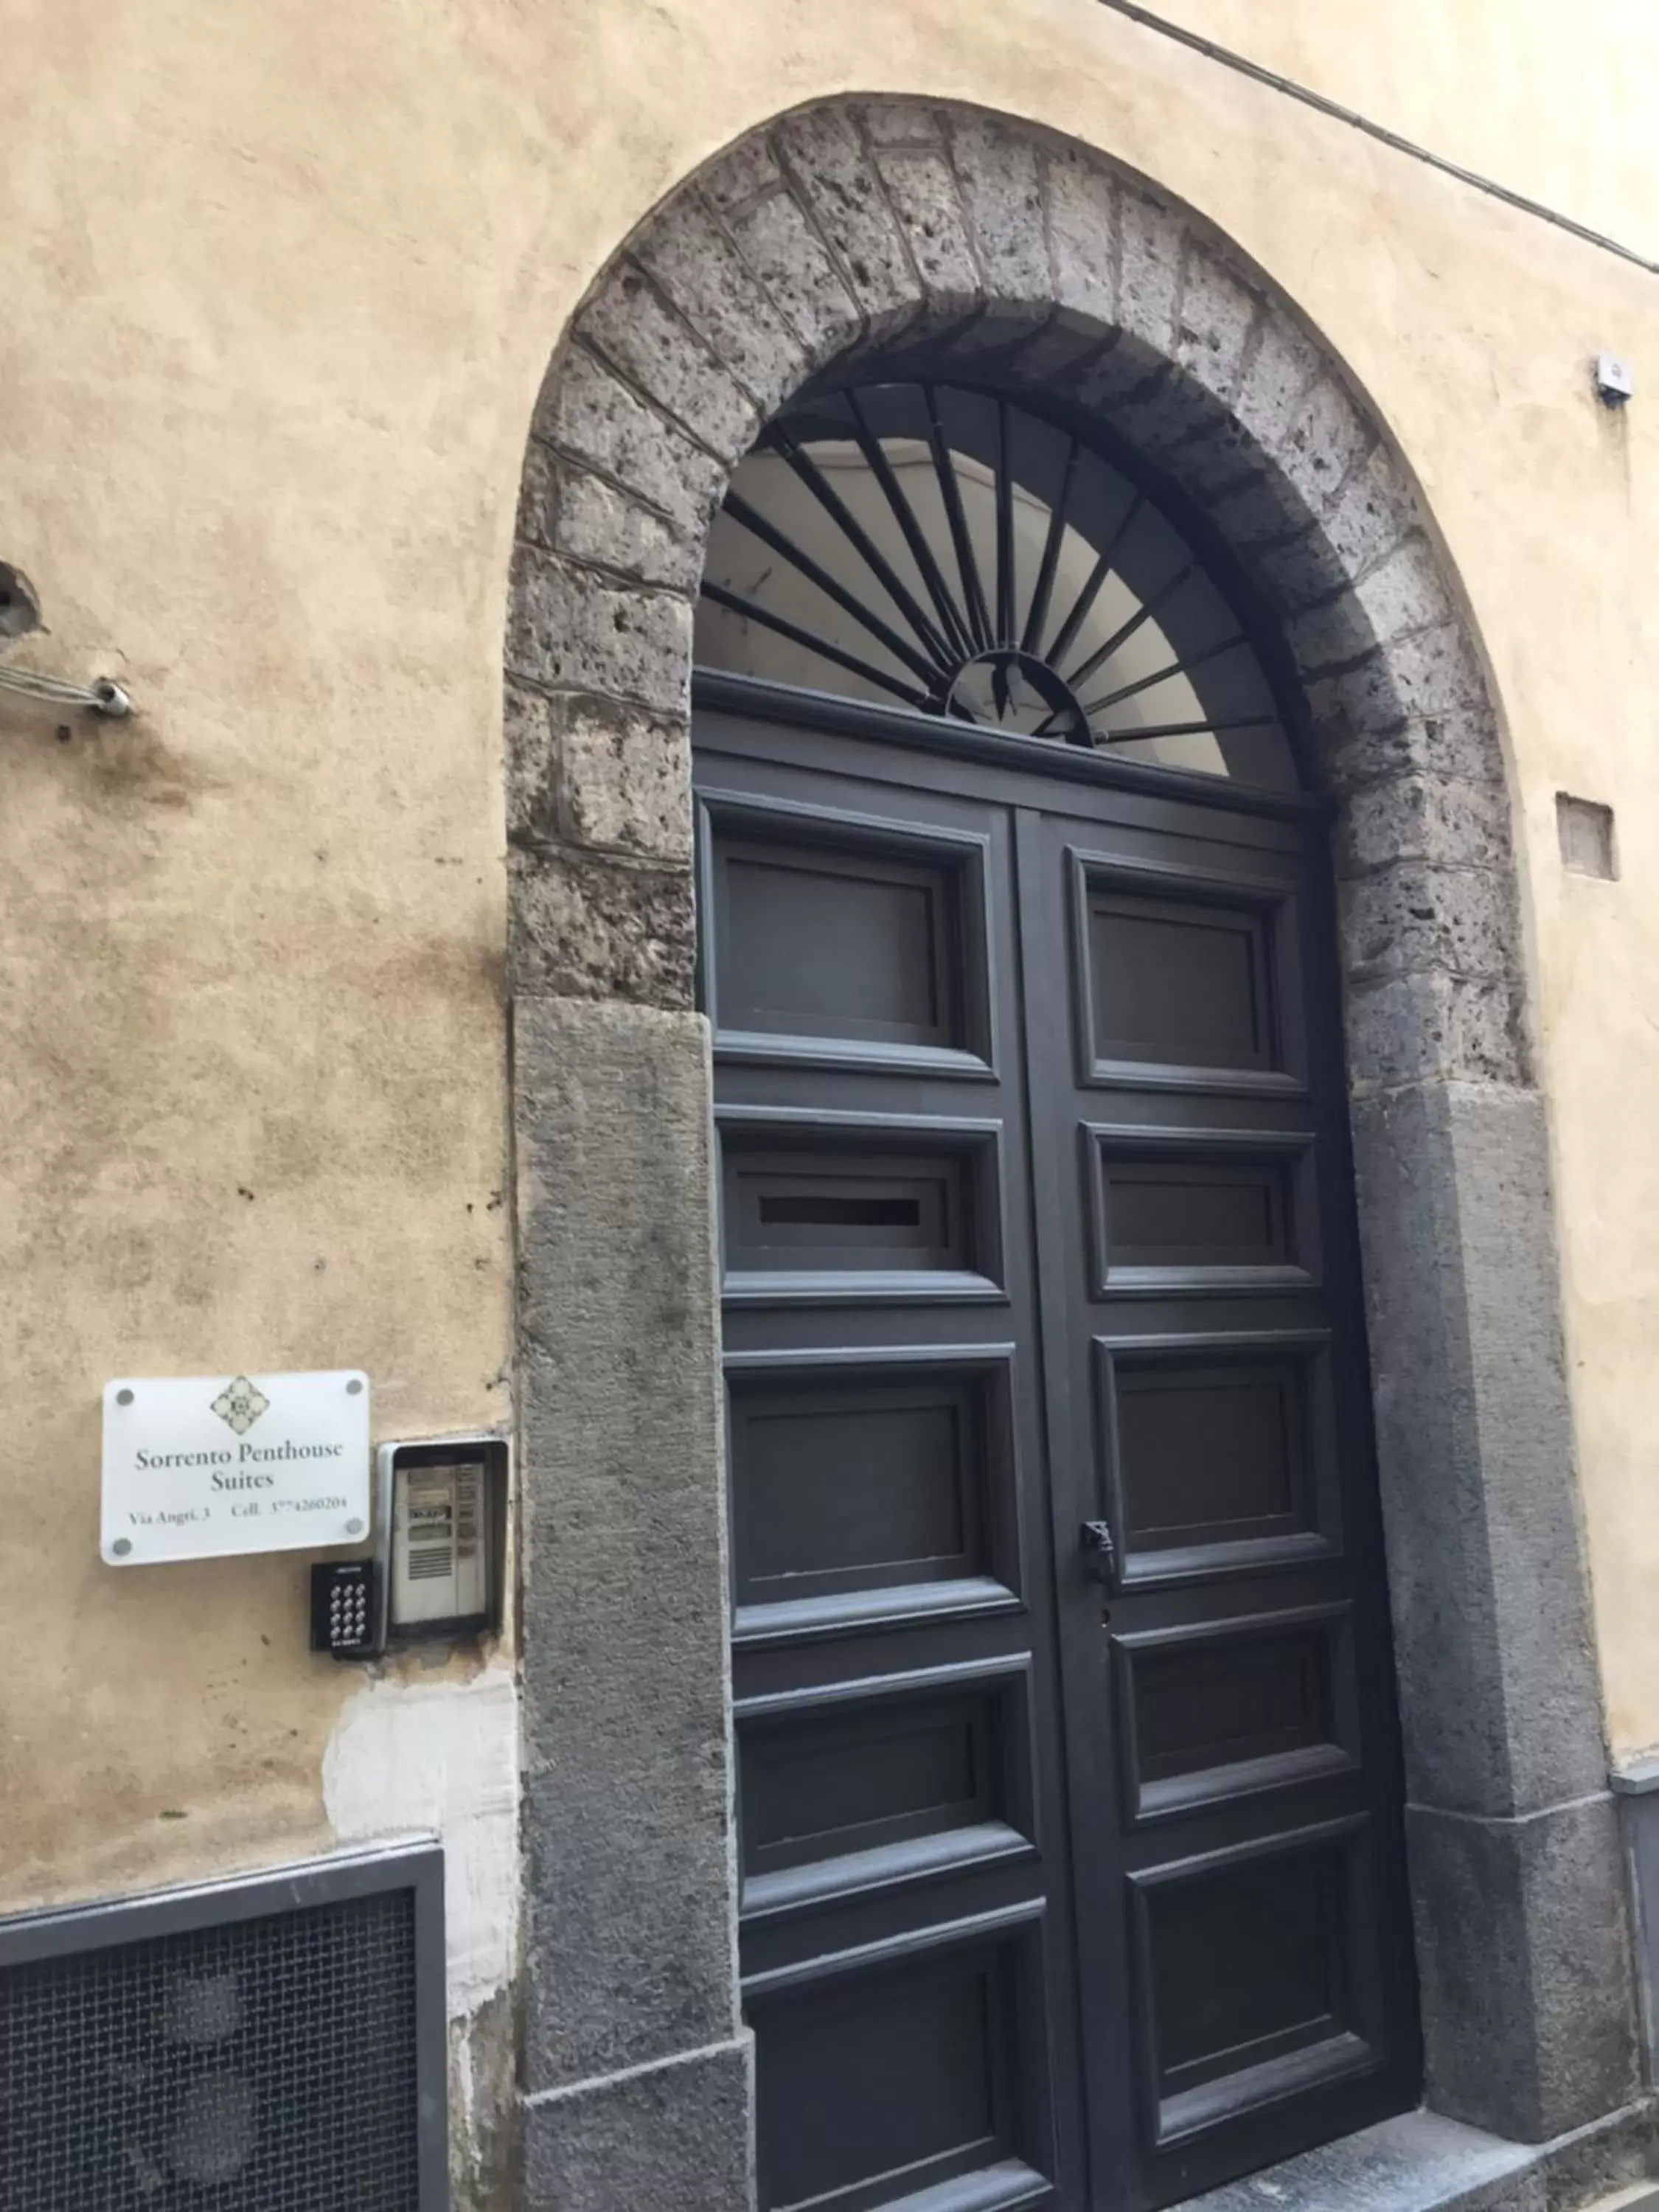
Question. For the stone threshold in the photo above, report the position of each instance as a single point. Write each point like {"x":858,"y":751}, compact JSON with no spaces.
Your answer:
{"x":1423,"y":2163}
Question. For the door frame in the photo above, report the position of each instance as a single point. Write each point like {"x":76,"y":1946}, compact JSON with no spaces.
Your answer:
{"x":787,"y":252}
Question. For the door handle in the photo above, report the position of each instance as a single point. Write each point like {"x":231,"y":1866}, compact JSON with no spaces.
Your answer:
{"x":1100,"y":1550}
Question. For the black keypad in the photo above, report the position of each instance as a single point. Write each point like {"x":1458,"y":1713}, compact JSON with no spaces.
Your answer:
{"x":344,"y":1618}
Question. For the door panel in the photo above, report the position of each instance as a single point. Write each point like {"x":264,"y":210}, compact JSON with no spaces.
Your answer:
{"x":1182,"y":985}
{"x":841,"y":936}
{"x":1068,"y":1809}
{"x":905,"y":1916}
{"x":1205,"y":1393}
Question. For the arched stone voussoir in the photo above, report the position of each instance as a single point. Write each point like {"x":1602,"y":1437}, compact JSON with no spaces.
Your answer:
{"x":1219,"y":325}
{"x":690,"y":257}
{"x":633,"y":328}
{"x":826,"y":158}
{"x":854,"y":230}
{"x":999,"y":173}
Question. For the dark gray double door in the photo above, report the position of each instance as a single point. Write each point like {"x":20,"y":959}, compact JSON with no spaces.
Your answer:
{"x":1067,"y":1809}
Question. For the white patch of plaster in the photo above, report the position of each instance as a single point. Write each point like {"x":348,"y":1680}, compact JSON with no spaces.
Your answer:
{"x":425,"y":1758}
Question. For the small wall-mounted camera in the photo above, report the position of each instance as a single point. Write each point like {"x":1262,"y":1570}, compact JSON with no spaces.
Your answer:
{"x":1615,"y":379}
{"x":439,"y":1557}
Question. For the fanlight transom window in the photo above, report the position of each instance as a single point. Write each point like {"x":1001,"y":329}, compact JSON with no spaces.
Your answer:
{"x":947,"y":550}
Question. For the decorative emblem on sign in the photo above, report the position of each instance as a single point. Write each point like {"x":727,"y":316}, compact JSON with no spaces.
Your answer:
{"x":240,"y":1404}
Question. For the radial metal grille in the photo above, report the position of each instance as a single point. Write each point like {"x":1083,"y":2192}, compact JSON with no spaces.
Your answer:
{"x":265,"y":2064}
{"x":952,"y":552}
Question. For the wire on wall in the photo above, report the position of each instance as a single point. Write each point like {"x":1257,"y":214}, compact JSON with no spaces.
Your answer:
{"x":102,"y":696}
{"x":1244,"y":67}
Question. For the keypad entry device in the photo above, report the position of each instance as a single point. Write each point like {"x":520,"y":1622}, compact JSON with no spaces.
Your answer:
{"x":345,"y":1612}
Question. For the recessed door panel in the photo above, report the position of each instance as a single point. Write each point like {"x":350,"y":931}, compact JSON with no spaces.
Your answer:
{"x":1211,"y":1713}
{"x":862,"y":1483}
{"x":1195,"y":1712}
{"x":1195,"y":1212}
{"x":1294,"y":1918}
{"x":824,"y":944}
{"x":1210,"y":1449}
{"x":875,"y":2084}
{"x":830,"y":1784}
{"x":1164,"y":1215}
{"x":1281,"y":1923}
{"x":843,"y":937}
{"x":1181,"y":984}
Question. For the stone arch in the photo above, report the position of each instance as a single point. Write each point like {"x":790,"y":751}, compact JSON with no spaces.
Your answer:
{"x":944,"y":231}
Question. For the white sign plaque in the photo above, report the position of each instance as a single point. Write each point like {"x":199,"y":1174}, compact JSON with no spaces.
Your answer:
{"x":198,"y":1466}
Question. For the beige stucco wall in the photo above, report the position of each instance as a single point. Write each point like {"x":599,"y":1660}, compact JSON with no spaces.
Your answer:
{"x":280,"y":284}
{"x":1552,"y":102}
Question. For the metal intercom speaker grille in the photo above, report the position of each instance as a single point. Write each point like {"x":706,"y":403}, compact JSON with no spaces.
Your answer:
{"x":274,"y":2046}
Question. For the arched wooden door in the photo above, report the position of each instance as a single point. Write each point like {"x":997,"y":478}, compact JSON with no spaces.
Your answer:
{"x":1068,"y":1804}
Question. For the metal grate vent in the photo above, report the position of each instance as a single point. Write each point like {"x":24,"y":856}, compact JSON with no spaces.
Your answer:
{"x":270,"y":2061}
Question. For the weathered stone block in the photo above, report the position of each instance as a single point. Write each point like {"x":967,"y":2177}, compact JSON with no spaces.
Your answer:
{"x":1299,"y":573}
{"x":835,"y":179}
{"x":1606,"y":2159}
{"x":1328,"y":440}
{"x":587,"y":927}
{"x":592,"y":521}
{"x":1410,"y":915}
{"x":677,"y":2138}
{"x":1408,"y":1028}
{"x":898,"y":122}
{"x":923,"y":192}
{"x":1430,"y":674}
{"x":1216,"y":323}
{"x":1373,"y":512}
{"x":1167,"y":412}
{"x":590,"y":772}
{"x":1083,"y":234}
{"x":1498,"y":1695}
{"x":1052,"y":358}
{"x":1260,"y":510}
{"x":1218,"y":464}
{"x":1406,"y":591}
{"x":536,"y":519}
{"x":587,"y":412}
{"x":1150,"y":244}
{"x":1332,"y":636}
{"x":996,"y":171}
{"x":1283,"y":369}
{"x":533,"y":807}
{"x":975,"y":333}
{"x":1461,"y":744}
{"x":741,"y":174}
{"x":630,"y":1955}
{"x":1126,"y":368}
{"x":698,"y":268}
{"x":631,"y":326}
{"x":570,"y":630}
{"x":1523,"y":1949}
{"x":624,"y":778}
{"x":1449,"y":823}
{"x":784,"y":251}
